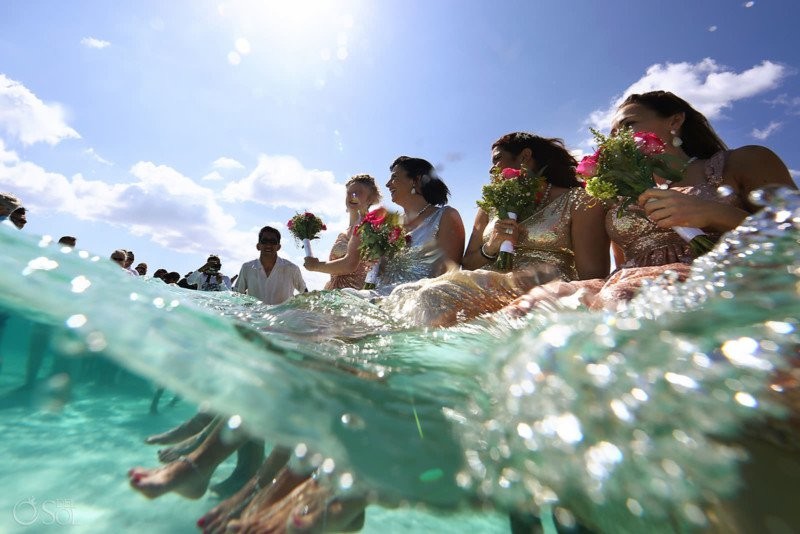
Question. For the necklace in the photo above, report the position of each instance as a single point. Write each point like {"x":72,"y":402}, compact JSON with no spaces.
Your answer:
{"x":546,"y":195}
{"x":428,"y":205}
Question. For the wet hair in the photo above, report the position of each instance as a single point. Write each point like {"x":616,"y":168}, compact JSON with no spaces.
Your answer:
{"x":432,"y":188}
{"x":699,"y":138}
{"x":552,"y":158}
{"x":67,"y":240}
{"x":367,"y":181}
{"x":269,"y":230}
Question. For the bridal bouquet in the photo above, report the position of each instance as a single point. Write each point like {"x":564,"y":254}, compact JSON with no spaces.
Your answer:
{"x":381,"y":235}
{"x":623,"y":167}
{"x":512,"y":194}
{"x":305,"y":227}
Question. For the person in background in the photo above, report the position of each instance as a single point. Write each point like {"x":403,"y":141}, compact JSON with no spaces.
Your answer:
{"x":119,"y":257}
{"x":19,"y":217}
{"x":141,"y":269}
{"x":208,"y":277}
{"x":270,"y":279}
{"x":160,"y":274}
{"x":129,"y":258}
{"x":172,"y":278}
{"x":8,"y":203}
{"x":67,"y":241}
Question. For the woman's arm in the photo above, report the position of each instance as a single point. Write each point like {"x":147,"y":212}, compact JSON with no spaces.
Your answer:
{"x":344,"y":265}
{"x":450,"y":237}
{"x":473,"y":259}
{"x":590,"y":241}
{"x":747,"y":168}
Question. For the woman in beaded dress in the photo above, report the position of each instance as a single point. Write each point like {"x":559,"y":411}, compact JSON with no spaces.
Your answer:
{"x":712,"y":196}
{"x":362,"y":192}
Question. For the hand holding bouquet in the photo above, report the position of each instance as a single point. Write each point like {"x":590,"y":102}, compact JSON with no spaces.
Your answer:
{"x":623,"y":167}
{"x":381,"y":235}
{"x":305,"y":227}
{"x":512,"y":194}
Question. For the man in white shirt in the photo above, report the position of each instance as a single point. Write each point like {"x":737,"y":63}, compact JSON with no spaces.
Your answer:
{"x":208,"y":277}
{"x":269,"y":278}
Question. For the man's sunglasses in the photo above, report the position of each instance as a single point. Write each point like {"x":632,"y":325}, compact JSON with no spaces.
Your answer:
{"x":268,"y":241}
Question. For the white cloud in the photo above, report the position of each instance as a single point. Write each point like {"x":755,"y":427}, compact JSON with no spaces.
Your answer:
{"x":227,"y":163}
{"x":792,"y":104}
{"x":213,"y":176}
{"x":234,"y":58}
{"x":97,"y":157}
{"x":91,"y":42}
{"x":282,"y":181}
{"x":24,"y":116}
{"x":708,"y":86}
{"x":762,"y":134}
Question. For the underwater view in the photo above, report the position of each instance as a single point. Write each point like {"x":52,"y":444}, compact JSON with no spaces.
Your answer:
{"x":627,"y":422}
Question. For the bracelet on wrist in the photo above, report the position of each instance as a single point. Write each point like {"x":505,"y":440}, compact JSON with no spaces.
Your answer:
{"x":487,"y":255}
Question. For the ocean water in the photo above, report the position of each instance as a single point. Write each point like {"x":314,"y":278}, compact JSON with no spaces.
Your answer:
{"x":622,"y":422}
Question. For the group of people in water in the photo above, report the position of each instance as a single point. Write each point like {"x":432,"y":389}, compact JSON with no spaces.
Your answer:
{"x":561,"y":250}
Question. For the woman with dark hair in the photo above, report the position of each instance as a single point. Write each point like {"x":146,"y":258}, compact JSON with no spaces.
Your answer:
{"x":713,"y":195}
{"x":566,"y":230}
{"x":436,"y":233}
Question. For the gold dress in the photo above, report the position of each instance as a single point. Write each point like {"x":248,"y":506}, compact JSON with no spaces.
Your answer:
{"x":546,"y":236}
{"x":355,"y":279}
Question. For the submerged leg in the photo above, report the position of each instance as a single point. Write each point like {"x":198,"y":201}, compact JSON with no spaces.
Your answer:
{"x":249,"y":457}
{"x":189,"y":475}
{"x":182,"y":431}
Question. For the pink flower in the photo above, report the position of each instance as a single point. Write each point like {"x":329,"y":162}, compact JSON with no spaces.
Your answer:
{"x":509,"y":173}
{"x":588,"y":165}
{"x":308,"y":214}
{"x":395,"y":233}
{"x":649,"y":143}
{"x":324,"y":227}
{"x":290,"y":224}
{"x":375,"y":217}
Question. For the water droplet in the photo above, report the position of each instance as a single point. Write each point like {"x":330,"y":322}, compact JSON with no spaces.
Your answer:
{"x":328,"y":465}
{"x":634,"y":507}
{"x":745,"y":399}
{"x":76,"y":321}
{"x":346,"y":481}
{"x":234,"y":422}
{"x":80,"y":284}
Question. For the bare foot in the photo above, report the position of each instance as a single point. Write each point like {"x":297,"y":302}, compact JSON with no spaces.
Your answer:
{"x":182,"y":476}
{"x":339,"y":514}
{"x":170,"y":454}
{"x":183,"y":431}
{"x":216,"y":520}
{"x":266,"y":514}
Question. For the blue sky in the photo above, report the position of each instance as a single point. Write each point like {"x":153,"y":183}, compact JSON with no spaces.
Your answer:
{"x":179,"y":128}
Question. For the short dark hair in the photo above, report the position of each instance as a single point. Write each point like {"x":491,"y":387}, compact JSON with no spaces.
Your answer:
{"x":552,"y":158}
{"x":68,"y":240}
{"x":699,"y":138}
{"x":213,"y":257}
{"x":432,"y":188}
{"x":269,"y":230}
{"x":160,"y":273}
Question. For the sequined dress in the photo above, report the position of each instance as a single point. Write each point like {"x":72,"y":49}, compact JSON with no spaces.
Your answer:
{"x":354,"y":279}
{"x":547,"y":236}
{"x":422,"y":258}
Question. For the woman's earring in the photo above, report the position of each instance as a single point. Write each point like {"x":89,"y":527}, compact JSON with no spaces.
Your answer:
{"x":413,"y":190}
{"x":676,"y":141}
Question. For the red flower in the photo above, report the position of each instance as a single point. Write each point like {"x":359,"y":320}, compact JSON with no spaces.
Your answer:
{"x":290,"y":224}
{"x":324,"y":227}
{"x":649,"y":143}
{"x":375,"y":217}
{"x":588,"y":165}
{"x":308,"y":215}
{"x":395,"y":234}
{"x":508,"y":173}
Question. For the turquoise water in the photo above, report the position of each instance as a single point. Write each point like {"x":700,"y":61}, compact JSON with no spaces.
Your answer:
{"x":613,"y":418}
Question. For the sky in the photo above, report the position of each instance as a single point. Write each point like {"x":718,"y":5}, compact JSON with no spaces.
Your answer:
{"x":178,"y":129}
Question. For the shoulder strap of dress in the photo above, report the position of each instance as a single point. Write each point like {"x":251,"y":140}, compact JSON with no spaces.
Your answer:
{"x":714,"y":167}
